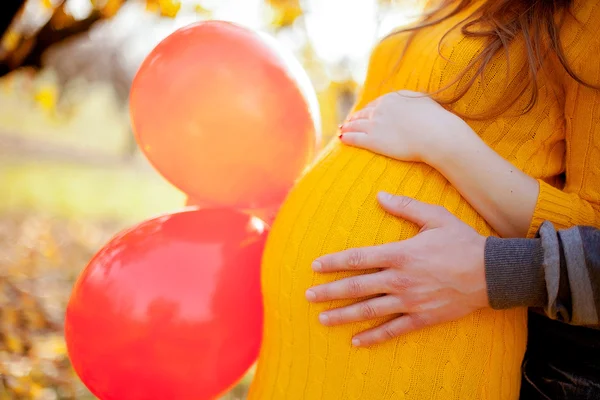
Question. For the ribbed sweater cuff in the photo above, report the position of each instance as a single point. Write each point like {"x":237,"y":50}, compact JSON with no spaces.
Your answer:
{"x":553,"y":205}
{"x":514,"y":273}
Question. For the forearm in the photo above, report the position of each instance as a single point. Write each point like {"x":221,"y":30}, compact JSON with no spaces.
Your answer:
{"x":500,"y":192}
{"x":557,"y":271}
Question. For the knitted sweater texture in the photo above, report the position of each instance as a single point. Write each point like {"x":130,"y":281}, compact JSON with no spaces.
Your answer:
{"x":333,"y":207}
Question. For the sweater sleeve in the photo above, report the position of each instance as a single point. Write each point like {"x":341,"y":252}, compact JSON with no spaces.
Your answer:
{"x":578,"y":203}
{"x":558,"y":272}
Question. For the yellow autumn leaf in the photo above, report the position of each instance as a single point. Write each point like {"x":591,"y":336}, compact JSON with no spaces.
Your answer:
{"x":47,"y":97}
{"x":152,"y":5}
{"x":50,"y":249}
{"x":13,"y":342}
{"x":11,"y":40}
{"x":169,"y":8}
{"x":282,"y":3}
{"x":38,"y":392}
{"x":6,"y":85}
{"x":286,"y":16}
{"x":49,"y":348}
{"x":111,"y":8}
{"x":201,"y":10}
{"x":35,"y":390}
{"x":34,"y":319}
{"x":285,"y":12}
{"x":10,"y":317}
{"x":27,"y":301}
{"x":47,"y":4}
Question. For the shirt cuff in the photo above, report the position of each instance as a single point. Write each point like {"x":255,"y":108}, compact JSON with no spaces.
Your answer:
{"x":553,"y":205}
{"x":514,"y":273}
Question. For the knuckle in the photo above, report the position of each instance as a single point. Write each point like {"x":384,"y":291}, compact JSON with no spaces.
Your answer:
{"x":410,"y":304}
{"x":367,"y":311}
{"x":389,"y":260}
{"x":354,"y":287}
{"x":419,"y":321}
{"x":399,"y":283}
{"x":388,"y":332}
{"x":399,"y":259}
{"x":355,"y":258}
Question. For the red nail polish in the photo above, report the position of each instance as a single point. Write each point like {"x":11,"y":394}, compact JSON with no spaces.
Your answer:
{"x":340,"y":136}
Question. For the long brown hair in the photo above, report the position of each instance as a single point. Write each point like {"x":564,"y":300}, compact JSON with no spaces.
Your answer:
{"x":499,"y":23}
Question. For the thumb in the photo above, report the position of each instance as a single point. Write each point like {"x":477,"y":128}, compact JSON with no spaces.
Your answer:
{"x":357,"y":139}
{"x":422,"y":214}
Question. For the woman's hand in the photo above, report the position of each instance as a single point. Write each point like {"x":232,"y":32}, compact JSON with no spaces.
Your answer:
{"x":406,"y":126}
{"x":435,"y":277}
{"x":409,"y":126}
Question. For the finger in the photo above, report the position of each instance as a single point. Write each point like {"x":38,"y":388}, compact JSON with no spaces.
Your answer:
{"x":364,"y":113}
{"x":349,"y":288}
{"x":356,"y":125}
{"x":359,"y":259}
{"x":392,"y":329}
{"x":411,"y":94}
{"x":361,"y":140}
{"x":363,"y":311}
{"x":422,"y":214}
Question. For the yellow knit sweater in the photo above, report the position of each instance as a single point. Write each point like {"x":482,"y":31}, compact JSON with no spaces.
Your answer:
{"x":333,"y":207}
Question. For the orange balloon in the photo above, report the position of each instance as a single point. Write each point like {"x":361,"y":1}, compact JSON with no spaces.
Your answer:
{"x":225,"y":115}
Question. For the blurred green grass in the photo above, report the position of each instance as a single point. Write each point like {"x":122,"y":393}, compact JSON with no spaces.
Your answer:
{"x":76,"y":191}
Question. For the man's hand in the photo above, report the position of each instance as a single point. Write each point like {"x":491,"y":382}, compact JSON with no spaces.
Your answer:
{"x":434,"y":277}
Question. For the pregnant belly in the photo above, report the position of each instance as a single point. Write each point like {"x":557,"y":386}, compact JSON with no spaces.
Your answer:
{"x":332,"y":208}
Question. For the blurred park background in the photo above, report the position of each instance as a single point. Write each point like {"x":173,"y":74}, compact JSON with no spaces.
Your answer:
{"x":71,"y":175}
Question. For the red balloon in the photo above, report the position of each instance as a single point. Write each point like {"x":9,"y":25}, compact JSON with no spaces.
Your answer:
{"x":225,"y":115}
{"x":170,"y":309}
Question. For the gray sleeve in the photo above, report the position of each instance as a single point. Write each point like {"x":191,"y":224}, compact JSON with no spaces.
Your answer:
{"x":514,"y":273}
{"x":557,"y":271}
{"x":579,"y":276}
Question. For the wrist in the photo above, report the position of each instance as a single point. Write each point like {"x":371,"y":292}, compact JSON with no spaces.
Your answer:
{"x":480,"y":297}
{"x":456,"y":136}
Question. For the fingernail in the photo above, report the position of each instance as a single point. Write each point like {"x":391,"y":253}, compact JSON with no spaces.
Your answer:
{"x":340,"y":126}
{"x":324,"y":319}
{"x":340,"y":136}
{"x":355,"y":342}
{"x":310,"y":295}
{"x":317,"y":266}
{"x":385,"y":196}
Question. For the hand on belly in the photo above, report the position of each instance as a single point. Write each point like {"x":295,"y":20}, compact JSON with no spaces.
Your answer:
{"x":435,"y":277}
{"x":334,"y":208}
